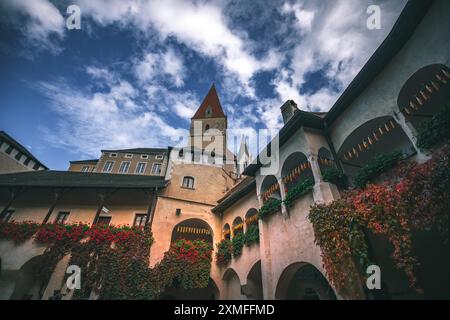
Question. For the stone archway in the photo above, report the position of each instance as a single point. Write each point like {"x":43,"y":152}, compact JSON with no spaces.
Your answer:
{"x":232,"y":285}
{"x":424,"y":94}
{"x":253,"y":289}
{"x":302,"y":281}
{"x":192,"y":229}
{"x":27,"y":283}
{"x":377,"y":136}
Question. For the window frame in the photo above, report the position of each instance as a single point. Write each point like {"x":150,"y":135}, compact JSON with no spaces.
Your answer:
{"x":113,"y":155}
{"x":144,"y":156}
{"x":65,"y":218}
{"x":153,"y":168}
{"x":186,"y":186}
{"x":159,"y":157}
{"x":142,"y":222}
{"x":129,"y":156}
{"x":144,"y":167}
{"x":112,"y":166}
{"x":85,"y":169}
{"x":104,"y":217}
{"x":127,"y":168}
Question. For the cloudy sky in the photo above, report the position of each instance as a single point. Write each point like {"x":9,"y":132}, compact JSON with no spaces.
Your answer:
{"x":137,"y":70}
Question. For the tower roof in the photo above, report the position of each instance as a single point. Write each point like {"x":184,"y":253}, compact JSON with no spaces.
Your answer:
{"x":212,"y":100}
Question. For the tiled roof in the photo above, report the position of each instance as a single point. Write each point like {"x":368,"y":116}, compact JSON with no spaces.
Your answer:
{"x":48,"y":178}
{"x":211,"y":99}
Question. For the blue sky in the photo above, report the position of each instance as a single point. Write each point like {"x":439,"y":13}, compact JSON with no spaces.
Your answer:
{"x":137,"y":70}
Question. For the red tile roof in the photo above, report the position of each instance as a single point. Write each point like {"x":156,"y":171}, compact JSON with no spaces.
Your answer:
{"x":211,"y":99}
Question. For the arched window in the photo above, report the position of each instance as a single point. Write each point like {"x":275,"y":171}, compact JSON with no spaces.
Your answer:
{"x":188,"y":182}
{"x":208,"y":112}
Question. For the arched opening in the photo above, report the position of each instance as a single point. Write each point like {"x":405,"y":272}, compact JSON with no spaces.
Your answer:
{"x":424,"y":93}
{"x":325,"y":159}
{"x":226,"y":231}
{"x":296,"y":168}
{"x":232,"y":285}
{"x":432,"y":271}
{"x":238,"y":226}
{"x":270,"y":188}
{"x":28,"y":285}
{"x":302,"y":281}
{"x":377,"y":136}
{"x":251,"y":217}
{"x":192,"y":229}
{"x":253,"y":289}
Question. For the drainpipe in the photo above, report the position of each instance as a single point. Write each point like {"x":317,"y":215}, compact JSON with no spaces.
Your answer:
{"x":151,"y":209}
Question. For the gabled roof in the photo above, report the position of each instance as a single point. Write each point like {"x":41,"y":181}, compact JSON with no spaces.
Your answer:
{"x":139,"y":150}
{"x":58,"y":179}
{"x":11,"y":141}
{"x":211,"y":99}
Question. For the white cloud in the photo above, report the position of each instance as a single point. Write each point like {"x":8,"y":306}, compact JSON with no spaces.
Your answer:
{"x":338,"y":43}
{"x":201,"y":26}
{"x":114,"y":118}
{"x":44,"y":21}
{"x":156,"y":65}
{"x":304,"y":18}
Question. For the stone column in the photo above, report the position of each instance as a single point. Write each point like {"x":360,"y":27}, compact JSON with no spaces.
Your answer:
{"x":284,"y":209}
{"x":324,"y":192}
{"x":266,"y":258}
{"x":411,"y":133}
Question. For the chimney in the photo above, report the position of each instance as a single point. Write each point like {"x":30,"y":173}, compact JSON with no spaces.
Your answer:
{"x":288,"y":109}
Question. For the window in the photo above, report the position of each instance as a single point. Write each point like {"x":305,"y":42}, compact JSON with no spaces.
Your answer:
{"x":144,"y":156}
{"x":139,"y":220}
{"x":27,"y":161}
{"x":124,"y":166}
{"x":159,"y":157}
{"x":85,"y":169}
{"x":104,"y":221}
{"x":6,"y":216}
{"x":36,"y":166}
{"x":188,"y":182}
{"x":140,"y":168}
{"x":9,"y":150}
{"x":108,"y":166}
{"x":18,"y":155}
{"x":208,"y":111}
{"x":156,"y":169}
{"x":129,"y":155}
{"x":113,"y":155}
{"x":62,"y":217}
{"x":207,"y":127}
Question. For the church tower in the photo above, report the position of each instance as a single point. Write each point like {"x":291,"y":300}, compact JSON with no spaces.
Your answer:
{"x":209,"y":125}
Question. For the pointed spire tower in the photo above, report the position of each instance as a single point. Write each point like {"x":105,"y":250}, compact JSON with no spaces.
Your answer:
{"x":209,"y":120}
{"x":244,"y":156}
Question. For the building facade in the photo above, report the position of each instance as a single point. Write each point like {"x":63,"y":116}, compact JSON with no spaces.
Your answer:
{"x":175,"y":189}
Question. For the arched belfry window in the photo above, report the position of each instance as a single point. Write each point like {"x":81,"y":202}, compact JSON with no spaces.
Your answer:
{"x":188,"y":182}
{"x":208,"y":111}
